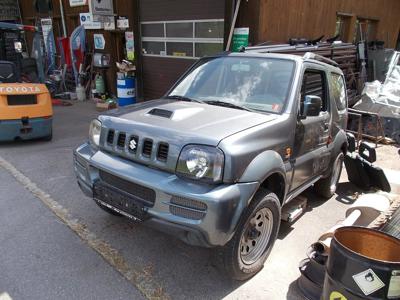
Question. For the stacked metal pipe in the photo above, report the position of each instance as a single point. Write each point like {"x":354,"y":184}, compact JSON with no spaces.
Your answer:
{"x":344,"y":54}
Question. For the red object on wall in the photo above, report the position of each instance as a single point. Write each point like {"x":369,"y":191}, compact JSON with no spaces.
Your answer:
{"x":64,"y":49}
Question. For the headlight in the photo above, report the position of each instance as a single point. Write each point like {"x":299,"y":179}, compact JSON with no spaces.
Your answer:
{"x":201,"y":162}
{"x":94,"y":133}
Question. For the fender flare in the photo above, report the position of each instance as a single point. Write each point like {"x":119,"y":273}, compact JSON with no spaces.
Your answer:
{"x":338,"y":142}
{"x":262,"y":166}
{"x":340,"y":139}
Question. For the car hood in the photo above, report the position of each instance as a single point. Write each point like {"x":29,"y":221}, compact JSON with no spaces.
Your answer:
{"x":186,"y":121}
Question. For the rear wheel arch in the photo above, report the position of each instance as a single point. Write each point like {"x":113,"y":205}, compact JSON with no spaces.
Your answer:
{"x":340,"y":143}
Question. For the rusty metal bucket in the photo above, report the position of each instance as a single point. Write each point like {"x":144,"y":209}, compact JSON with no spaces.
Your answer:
{"x":363,"y":264}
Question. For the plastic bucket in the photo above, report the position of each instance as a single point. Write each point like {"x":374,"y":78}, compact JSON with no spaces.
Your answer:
{"x":126,"y":92}
{"x":363,"y":264}
{"x":80,"y":93}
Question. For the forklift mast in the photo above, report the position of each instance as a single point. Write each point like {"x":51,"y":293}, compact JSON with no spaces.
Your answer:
{"x":11,"y":45}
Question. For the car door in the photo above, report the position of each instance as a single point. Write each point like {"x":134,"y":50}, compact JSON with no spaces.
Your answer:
{"x":310,"y":152}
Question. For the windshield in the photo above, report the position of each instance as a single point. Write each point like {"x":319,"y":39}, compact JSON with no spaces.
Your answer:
{"x":253,"y":83}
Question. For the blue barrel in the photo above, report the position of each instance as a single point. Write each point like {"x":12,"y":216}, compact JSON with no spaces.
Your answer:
{"x":126,"y":91}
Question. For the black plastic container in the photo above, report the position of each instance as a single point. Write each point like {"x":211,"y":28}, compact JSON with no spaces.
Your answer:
{"x":363,"y":264}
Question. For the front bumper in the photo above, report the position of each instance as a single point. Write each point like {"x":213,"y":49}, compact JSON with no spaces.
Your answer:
{"x":225,"y":203}
{"x":17,"y":129}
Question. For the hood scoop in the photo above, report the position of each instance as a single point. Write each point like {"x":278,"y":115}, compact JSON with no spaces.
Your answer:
{"x":161,"y":113}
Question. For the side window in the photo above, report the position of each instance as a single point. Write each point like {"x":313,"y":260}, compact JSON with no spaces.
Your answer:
{"x":314,"y":83}
{"x":338,"y":91}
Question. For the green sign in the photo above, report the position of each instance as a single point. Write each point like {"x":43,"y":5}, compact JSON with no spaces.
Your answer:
{"x":240,"y":38}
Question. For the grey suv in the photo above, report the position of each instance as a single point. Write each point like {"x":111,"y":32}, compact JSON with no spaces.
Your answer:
{"x":214,"y":160}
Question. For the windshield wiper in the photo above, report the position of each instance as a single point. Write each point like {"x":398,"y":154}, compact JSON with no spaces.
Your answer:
{"x":182,"y":98}
{"x":226,"y":104}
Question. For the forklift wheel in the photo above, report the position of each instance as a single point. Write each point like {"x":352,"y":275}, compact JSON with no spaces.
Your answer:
{"x":49,"y":137}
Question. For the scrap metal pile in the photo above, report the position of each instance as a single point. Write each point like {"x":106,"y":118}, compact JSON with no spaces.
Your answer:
{"x":374,"y":219}
{"x":344,"y":54}
{"x":383,"y":100}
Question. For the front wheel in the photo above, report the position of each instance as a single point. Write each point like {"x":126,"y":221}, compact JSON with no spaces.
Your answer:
{"x":326,"y":187}
{"x":246,"y":252}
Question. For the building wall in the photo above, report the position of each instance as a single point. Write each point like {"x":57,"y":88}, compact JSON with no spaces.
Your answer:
{"x":279,"y":20}
{"x":158,"y":74}
{"x":114,"y":39}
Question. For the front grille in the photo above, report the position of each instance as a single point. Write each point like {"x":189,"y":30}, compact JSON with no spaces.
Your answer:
{"x":147,"y":148}
{"x":187,"y":208}
{"x":186,"y":213}
{"x":143,"y":193}
{"x":110,"y":137}
{"x":162,"y":152}
{"x":133,"y":144}
{"x":126,"y":144}
{"x":121,"y":140}
{"x":21,"y":100}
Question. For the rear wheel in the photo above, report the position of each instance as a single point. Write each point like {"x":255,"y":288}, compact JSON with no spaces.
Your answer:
{"x":254,"y":238}
{"x":326,"y":187}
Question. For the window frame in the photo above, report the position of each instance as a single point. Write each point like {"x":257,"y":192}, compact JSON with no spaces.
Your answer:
{"x":288,"y":96}
{"x":325,"y":85}
{"x":371,"y":29}
{"x":332,"y":75}
{"x":193,"y":40}
{"x":343,"y":25}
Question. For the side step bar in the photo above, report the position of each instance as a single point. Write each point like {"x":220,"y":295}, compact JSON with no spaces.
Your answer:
{"x":294,"y":209}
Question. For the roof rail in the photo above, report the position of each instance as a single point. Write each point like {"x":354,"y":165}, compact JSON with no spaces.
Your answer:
{"x":311,"y":55}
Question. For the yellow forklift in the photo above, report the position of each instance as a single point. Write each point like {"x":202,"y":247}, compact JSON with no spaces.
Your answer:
{"x":25,"y":103}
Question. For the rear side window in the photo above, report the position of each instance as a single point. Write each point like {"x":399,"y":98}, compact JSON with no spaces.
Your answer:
{"x":338,"y":91}
{"x":314,"y":83}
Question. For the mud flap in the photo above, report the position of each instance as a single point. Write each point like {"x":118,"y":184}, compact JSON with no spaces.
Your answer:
{"x":362,"y":172}
{"x":356,"y":172}
{"x":377,"y":177}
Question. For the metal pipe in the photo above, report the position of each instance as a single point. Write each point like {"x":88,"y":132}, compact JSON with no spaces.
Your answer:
{"x":324,"y":242}
{"x":228,"y":44}
{"x":63,"y":19}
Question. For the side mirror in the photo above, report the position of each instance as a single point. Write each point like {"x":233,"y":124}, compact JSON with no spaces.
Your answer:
{"x":311,"y":107}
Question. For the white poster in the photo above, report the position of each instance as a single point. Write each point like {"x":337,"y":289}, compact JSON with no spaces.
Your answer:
{"x":87,"y":21}
{"x":47,"y":27}
{"x":109,"y":22}
{"x":101,"y":7}
{"x":73,"y":3}
{"x":99,"y":41}
{"x":130,"y":45}
{"x":123,"y":23}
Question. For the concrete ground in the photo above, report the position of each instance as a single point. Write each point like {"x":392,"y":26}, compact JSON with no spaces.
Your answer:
{"x":41,"y":258}
{"x":157,"y":265}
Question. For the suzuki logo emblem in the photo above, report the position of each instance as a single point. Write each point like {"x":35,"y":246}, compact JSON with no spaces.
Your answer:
{"x":132,"y":145}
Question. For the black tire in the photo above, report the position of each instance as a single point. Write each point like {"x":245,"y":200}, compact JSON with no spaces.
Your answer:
{"x":326,"y":187}
{"x":232,"y":253}
{"x":49,"y":137}
{"x":108,"y":210}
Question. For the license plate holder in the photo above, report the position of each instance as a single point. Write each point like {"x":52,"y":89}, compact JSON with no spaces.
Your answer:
{"x":120,"y":201}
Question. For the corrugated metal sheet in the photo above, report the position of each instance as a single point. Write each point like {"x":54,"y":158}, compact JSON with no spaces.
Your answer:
{"x":279,"y":20}
{"x":392,"y":227}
